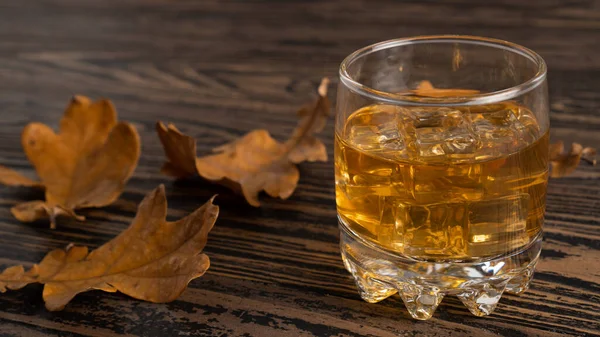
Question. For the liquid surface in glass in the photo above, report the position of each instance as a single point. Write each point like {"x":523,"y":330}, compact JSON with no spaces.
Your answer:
{"x":439,"y":183}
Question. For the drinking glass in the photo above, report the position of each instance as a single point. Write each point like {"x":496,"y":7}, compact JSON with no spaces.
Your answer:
{"x":441,"y":167}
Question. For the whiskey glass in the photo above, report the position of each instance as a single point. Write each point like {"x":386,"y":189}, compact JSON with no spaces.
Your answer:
{"x":441,"y":168}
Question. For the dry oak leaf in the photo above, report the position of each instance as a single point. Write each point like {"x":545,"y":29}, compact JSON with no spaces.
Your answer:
{"x":9,"y":177}
{"x":426,"y":89}
{"x":85,"y":165}
{"x":152,"y":260}
{"x":256,"y":161}
{"x":564,"y":163}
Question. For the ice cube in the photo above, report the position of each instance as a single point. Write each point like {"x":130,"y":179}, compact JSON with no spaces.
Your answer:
{"x":439,"y":134}
{"x":497,"y":226}
{"x":379,"y":132}
{"x":529,"y":128}
{"x":439,"y":183}
{"x":500,"y":132}
{"x":389,"y":136}
{"x":433,"y":229}
{"x":375,"y":138}
{"x":364,"y":137}
{"x":495,"y":126}
{"x":460,"y":140}
{"x":469,"y":228}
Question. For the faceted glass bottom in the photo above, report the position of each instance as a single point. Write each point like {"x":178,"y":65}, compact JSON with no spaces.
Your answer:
{"x":423,"y":284}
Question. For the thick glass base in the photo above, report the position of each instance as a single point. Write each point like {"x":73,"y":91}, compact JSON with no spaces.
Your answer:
{"x":423,"y":284}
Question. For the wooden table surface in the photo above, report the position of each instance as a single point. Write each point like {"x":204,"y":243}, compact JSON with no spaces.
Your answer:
{"x":218,"y":69}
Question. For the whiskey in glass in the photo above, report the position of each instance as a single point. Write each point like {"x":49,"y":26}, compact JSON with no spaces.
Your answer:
{"x":441,"y":167}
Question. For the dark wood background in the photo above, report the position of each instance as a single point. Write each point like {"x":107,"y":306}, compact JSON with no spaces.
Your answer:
{"x":218,"y":69}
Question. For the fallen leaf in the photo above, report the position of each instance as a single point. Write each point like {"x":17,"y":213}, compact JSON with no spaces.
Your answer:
{"x":9,"y":177}
{"x":152,"y":260}
{"x":556,"y":150}
{"x":256,"y":161}
{"x":426,"y":89}
{"x":85,"y":165}
{"x":303,"y":145}
{"x":16,"y":277}
{"x":563,"y":163}
{"x":589,"y":154}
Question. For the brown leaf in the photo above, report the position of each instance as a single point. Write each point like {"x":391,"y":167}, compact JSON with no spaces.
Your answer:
{"x":16,"y":277}
{"x":152,"y":260}
{"x":180,"y":151}
{"x":29,"y":211}
{"x":9,"y":177}
{"x":426,"y":89}
{"x":565,"y":163}
{"x":85,"y":165}
{"x":556,"y":150}
{"x":589,"y":154}
{"x":256,"y":161}
{"x":303,"y":145}
{"x":37,"y":209}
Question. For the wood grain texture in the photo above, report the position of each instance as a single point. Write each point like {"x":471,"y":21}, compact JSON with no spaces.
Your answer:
{"x":218,"y":69}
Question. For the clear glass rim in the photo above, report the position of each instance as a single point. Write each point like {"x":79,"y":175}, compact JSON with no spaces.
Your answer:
{"x":477,"y":99}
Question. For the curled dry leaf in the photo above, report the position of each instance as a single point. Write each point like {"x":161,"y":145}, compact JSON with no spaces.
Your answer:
{"x":85,"y":165}
{"x":256,"y":161}
{"x":152,"y":260}
{"x":564,"y":163}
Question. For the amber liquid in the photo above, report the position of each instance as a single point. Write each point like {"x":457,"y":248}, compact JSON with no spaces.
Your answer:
{"x":443,"y":183}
